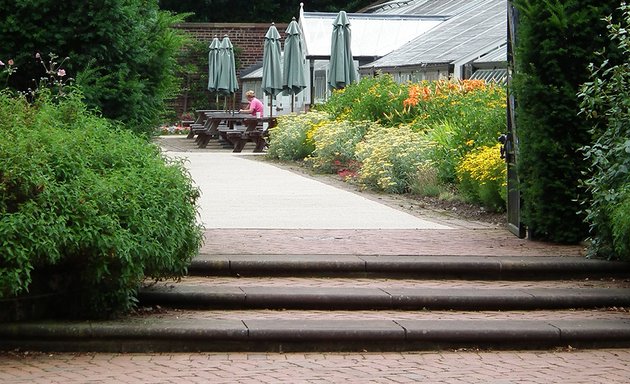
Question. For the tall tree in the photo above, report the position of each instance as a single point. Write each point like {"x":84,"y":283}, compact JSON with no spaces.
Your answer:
{"x":122,"y":52}
{"x":259,"y":11}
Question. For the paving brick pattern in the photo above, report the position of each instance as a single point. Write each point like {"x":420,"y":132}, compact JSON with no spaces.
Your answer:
{"x":318,"y":282}
{"x":283,"y":314}
{"x":472,"y":242}
{"x":608,"y":366}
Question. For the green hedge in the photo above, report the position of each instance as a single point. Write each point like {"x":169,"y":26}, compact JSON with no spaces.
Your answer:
{"x":88,"y":208}
{"x":556,"y":42}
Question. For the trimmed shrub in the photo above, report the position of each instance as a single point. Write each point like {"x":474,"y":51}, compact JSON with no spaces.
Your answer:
{"x":556,"y":41}
{"x":88,"y":208}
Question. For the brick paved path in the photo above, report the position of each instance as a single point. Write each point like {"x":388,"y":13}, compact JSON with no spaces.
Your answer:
{"x":574,"y":367}
{"x":470,"y":242}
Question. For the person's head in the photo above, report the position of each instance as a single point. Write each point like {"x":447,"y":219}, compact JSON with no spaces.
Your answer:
{"x":250,"y":95}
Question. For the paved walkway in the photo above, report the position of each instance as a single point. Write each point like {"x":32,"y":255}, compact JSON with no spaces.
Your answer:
{"x":293,"y":214}
{"x":239,"y":191}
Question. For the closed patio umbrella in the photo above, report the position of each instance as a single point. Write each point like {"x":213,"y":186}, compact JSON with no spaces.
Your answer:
{"x":213,"y":67}
{"x":213,"y":64}
{"x":272,"y":71}
{"x":341,"y":70}
{"x":227,"y":83}
{"x":293,"y":79}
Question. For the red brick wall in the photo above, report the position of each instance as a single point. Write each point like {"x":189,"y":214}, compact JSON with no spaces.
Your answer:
{"x":248,"y":37}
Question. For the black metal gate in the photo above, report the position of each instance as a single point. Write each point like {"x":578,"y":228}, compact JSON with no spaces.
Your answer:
{"x":510,"y":140}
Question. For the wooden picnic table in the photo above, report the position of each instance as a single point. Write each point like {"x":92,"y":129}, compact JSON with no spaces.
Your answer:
{"x":235,"y":128}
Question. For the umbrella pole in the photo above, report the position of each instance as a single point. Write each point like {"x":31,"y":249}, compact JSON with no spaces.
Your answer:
{"x":271,"y":105}
{"x":292,"y":101}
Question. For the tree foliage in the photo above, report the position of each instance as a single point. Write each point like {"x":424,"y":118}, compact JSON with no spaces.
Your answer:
{"x":556,"y":43}
{"x":120,"y":51}
{"x":259,"y":11}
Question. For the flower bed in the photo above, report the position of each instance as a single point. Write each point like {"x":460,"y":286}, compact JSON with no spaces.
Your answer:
{"x":405,"y":138}
{"x":173,"y":130}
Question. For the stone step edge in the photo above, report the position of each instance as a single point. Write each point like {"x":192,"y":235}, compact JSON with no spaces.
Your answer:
{"x":493,"y":267}
{"x":231,"y":297}
{"x":160,"y":335}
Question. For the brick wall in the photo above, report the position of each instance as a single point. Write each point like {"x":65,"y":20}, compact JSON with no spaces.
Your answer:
{"x":248,"y":37}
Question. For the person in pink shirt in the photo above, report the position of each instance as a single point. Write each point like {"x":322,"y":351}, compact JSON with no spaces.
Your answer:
{"x":255,"y":107}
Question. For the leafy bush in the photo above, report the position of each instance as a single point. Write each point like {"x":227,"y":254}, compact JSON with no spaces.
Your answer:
{"x":292,"y":138}
{"x":335,"y":143}
{"x":482,"y":177}
{"x":371,"y":99}
{"x":604,"y":99}
{"x":87,"y":207}
{"x":620,"y":223}
{"x":390,"y":158}
{"x":122,"y":52}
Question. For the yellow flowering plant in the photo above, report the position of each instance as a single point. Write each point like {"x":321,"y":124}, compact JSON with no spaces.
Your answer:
{"x":390,"y":158}
{"x":482,"y":177}
{"x":335,"y":142}
{"x":292,"y":138}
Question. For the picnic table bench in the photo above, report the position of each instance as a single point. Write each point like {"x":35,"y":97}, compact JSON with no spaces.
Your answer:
{"x":254,"y":131}
{"x":213,"y":122}
{"x":199,"y":122}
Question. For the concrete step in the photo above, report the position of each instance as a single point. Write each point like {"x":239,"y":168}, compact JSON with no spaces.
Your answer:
{"x":478,"y":267}
{"x":375,"y":298}
{"x":351,"y":303}
{"x":163,"y":335}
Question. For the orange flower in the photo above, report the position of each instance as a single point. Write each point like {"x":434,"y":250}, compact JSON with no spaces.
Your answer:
{"x":426,"y":93}
{"x":412,"y":100}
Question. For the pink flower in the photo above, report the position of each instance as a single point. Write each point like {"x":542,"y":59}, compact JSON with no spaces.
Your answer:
{"x":61,"y":72}
{"x":10,"y":61}
{"x":38,"y":56}
{"x":1,"y":63}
